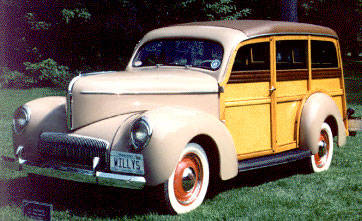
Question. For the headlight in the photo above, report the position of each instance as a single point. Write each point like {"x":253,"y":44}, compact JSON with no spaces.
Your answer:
{"x":21,"y":119}
{"x":141,"y":133}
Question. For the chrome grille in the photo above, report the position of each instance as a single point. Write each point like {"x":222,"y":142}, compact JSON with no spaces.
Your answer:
{"x":72,"y":148}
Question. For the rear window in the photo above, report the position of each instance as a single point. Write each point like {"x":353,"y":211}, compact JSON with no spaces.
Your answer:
{"x":324,"y":54}
{"x":291,"y":54}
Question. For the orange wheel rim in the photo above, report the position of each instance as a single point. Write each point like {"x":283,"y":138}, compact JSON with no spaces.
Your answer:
{"x":321,"y":157}
{"x":188,"y":179}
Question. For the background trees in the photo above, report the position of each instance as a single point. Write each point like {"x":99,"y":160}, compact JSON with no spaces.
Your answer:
{"x":43,"y":41}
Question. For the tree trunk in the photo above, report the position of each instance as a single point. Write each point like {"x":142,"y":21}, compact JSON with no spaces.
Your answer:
{"x":289,"y":10}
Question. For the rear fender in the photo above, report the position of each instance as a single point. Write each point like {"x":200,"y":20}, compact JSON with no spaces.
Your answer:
{"x":316,"y":110}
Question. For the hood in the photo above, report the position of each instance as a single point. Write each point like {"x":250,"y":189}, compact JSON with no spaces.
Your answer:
{"x":99,"y":96}
{"x":148,"y":81}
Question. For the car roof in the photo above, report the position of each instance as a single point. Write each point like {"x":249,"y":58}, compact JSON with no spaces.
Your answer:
{"x":256,"y":28}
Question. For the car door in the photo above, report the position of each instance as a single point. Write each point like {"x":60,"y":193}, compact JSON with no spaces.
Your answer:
{"x":247,"y":106}
{"x":292,"y":76}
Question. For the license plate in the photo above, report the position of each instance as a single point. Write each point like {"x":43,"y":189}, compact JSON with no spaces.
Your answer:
{"x":127,"y":162}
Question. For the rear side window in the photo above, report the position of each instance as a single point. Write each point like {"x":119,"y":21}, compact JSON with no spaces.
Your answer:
{"x":291,"y":54}
{"x":252,"y":57}
{"x":324,"y":54}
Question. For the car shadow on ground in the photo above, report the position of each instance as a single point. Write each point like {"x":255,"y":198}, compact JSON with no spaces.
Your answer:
{"x":77,"y":199}
{"x":88,"y":200}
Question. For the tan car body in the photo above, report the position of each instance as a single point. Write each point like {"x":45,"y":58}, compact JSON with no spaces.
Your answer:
{"x":182,"y":105}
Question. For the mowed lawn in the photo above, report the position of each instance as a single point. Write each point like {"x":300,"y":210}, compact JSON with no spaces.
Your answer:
{"x":278,"y":193}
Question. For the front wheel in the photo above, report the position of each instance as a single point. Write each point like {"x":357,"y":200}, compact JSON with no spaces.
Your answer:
{"x":186,"y":188}
{"x":322,"y":160}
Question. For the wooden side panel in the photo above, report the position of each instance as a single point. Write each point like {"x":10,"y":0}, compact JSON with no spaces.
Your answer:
{"x":292,"y":85}
{"x":327,"y":84}
{"x":290,"y":75}
{"x":291,"y":88}
{"x":247,"y":116}
{"x":286,"y":120}
{"x":249,"y":76}
{"x":289,"y":98}
{"x":246,"y":91}
{"x":326,"y":73}
{"x":327,"y":79}
{"x":249,"y":126}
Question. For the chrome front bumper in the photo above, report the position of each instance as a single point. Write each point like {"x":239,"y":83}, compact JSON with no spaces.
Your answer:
{"x":75,"y":174}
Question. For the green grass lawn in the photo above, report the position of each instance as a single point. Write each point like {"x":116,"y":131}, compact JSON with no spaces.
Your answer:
{"x":278,"y":193}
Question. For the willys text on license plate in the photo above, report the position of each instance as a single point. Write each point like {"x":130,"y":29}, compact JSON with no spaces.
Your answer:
{"x":127,"y":162}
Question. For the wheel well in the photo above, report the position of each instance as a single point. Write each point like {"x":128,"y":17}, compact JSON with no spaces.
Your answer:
{"x":332,"y":124}
{"x":210,"y":147}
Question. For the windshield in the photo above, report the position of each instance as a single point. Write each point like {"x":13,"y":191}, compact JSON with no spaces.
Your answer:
{"x":180,"y":52}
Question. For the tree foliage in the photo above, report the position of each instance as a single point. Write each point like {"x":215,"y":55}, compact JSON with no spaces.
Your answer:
{"x":48,"y":39}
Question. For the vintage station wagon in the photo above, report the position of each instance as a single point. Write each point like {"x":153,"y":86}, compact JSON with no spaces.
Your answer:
{"x":198,"y":102}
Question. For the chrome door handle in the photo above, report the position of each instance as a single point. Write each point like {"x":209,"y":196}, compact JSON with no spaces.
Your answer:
{"x":272,"y":89}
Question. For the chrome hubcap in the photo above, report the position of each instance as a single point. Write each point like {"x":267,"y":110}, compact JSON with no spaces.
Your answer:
{"x":188,"y":179}
{"x":322,"y":148}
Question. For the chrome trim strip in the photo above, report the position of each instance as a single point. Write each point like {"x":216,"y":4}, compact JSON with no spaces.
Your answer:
{"x":76,"y":174}
{"x":96,"y":73}
{"x":291,"y":33}
{"x":69,"y":102}
{"x":69,"y":95}
{"x":147,"y":92}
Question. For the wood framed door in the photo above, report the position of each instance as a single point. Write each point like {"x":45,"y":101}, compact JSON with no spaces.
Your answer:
{"x":292,"y":74}
{"x":247,"y":99}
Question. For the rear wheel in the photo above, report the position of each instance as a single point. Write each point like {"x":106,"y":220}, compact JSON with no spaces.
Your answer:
{"x":322,"y":160}
{"x":186,"y":188}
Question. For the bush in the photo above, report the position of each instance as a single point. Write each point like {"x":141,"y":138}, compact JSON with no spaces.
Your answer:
{"x":49,"y":73}
{"x":13,"y":79}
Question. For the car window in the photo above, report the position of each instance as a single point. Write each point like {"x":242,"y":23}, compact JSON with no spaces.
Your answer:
{"x":180,"y":52}
{"x":252,"y":57}
{"x":324,"y":54}
{"x":291,"y":54}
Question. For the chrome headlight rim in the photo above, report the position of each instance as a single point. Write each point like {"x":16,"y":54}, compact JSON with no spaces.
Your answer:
{"x":136,"y":145}
{"x":24,"y":113}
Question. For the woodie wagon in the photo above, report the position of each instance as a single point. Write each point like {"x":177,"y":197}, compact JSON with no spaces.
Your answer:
{"x":197,"y":103}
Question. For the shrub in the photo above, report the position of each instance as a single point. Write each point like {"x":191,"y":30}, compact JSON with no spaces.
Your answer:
{"x":13,"y":79}
{"x":49,"y":73}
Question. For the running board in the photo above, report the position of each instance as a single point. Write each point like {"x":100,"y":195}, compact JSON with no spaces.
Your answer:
{"x":273,"y":160}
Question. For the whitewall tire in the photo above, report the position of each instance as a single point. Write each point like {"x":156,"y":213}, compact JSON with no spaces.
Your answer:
{"x":186,"y":188}
{"x":321,"y":161}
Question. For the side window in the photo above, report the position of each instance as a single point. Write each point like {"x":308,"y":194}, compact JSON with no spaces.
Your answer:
{"x":252,"y":57}
{"x":324,"y":54}
{"x":291,"y":54}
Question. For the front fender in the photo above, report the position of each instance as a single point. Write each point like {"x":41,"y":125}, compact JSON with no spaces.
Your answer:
{"x":316,"y":110}
{"x":47,"y":114}
{"x":173,"y":128}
